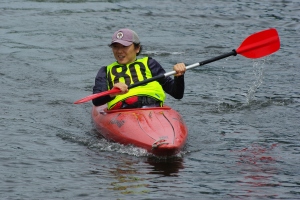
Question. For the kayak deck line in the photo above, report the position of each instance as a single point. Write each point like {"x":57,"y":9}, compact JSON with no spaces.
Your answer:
{"x":170,"y":125}
{"x":144,"y":129}
{"x":162,"y":140}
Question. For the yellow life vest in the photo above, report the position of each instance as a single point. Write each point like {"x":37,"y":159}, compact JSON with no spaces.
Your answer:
{"x":132,"y":73}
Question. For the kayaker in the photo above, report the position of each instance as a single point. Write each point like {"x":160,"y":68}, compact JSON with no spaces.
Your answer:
{"x":128,"y":69}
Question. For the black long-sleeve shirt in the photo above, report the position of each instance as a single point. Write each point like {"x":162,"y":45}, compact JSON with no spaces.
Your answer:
{"x":174,"y":87}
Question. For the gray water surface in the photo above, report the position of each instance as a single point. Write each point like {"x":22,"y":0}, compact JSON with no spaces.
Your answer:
{"x":242,"y":114}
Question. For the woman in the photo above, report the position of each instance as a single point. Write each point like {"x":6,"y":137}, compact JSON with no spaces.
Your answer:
{"x":127,"y":69}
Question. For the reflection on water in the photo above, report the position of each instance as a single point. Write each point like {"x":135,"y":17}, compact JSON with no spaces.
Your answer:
{"x":127,"y":179}
{"x":128,"y":172}
{"x":166,"y":167}
{"x":257,"y":165}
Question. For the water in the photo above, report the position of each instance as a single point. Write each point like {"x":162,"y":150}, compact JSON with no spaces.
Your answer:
{"x":242,"y":115}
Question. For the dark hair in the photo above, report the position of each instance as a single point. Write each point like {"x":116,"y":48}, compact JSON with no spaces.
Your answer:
{"x":137,"y":46}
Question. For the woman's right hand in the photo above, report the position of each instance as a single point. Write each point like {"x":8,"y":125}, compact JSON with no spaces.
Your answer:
{"x":180,"y":69}
{"x":122,"y":86}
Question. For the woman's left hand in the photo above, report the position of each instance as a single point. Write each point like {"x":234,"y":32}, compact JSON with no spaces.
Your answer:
{"x":180,"y":69}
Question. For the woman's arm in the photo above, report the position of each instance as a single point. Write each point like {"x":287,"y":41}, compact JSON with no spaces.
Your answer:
{"x":101,"y":86}
{"x":174,"y":87}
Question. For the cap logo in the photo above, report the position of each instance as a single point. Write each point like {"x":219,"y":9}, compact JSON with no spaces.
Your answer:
{"x":120,"y":35}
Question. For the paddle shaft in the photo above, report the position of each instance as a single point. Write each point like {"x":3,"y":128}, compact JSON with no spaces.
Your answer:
{"x":232,"y":53}
{"x":155,"y":78}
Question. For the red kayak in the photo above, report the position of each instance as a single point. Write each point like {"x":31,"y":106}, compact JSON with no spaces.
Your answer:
{"x":159,"y":130}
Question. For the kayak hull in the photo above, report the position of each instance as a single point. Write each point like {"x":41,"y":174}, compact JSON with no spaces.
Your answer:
{"x":159,"y":130}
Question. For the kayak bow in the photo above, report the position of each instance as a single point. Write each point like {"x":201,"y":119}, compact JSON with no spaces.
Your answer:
{"x":159,"y":130}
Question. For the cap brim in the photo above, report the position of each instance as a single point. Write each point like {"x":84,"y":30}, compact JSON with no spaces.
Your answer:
{"x":125,"y":43}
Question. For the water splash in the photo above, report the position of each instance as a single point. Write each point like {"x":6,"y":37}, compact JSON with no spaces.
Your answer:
{"x":258,"y":70}
{"x":220,"y":98}
{"x":99,"y":144}
{"x":94,"y":142}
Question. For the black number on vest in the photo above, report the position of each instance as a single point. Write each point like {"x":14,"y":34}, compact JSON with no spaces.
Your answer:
{"x":122,"y":73}
{"x":133,"y":71}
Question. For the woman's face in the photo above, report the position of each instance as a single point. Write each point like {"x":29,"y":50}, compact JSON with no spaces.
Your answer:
{"x":124,"y":54}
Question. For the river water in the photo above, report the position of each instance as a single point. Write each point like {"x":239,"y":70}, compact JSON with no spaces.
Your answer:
{"x":242,"y":114}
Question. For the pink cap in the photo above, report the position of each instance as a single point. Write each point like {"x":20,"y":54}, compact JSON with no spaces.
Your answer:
{"x":125,"y":37}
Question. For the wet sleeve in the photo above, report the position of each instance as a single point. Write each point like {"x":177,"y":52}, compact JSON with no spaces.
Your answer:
{"x":174,"y":87}
{"x":101,"y":86}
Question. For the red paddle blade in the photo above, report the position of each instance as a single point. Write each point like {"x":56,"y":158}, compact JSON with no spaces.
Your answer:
{"x":94,"y":96}
{"x":260,"y":44}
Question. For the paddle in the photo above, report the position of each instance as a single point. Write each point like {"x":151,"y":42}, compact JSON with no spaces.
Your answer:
{"x":257,"y":45}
